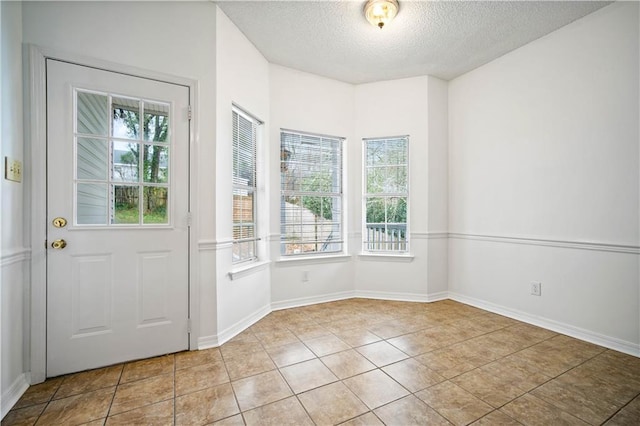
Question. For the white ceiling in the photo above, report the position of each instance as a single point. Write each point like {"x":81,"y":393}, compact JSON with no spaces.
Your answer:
{"x":443,"y":38}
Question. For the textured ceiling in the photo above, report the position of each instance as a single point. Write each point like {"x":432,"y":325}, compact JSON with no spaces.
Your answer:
{"x":444,"y":38}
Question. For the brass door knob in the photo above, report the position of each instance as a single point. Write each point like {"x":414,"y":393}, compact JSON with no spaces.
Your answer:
{"x":59,"y":244}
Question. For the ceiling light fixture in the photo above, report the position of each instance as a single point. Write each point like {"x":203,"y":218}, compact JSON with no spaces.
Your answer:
{"x":380,"y":12}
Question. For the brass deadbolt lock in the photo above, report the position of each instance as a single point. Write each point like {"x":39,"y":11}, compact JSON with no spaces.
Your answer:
{"x":59,"y":222}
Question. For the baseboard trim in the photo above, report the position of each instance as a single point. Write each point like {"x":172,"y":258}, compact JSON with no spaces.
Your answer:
{"x":401,"y":297}
{"x":312,"y":300}
{"x":207,"y":342}
{"x":13,"y":394}
{"x":435,"y":297}
{"x":213,"y":341}
{"x":559,"y":327}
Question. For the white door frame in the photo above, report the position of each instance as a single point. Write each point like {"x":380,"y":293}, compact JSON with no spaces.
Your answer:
{"x":36,"y":184}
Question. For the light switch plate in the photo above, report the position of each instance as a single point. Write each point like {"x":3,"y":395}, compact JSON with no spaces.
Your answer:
{"x":12,"y":169}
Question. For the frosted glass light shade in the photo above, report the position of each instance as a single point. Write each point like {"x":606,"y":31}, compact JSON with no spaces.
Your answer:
{"x":380,"y":12}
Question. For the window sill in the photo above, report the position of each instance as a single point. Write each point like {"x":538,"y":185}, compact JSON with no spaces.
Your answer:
{"x":391,"y":257}
{"x":313,"y":259}
{"x":244,"y":270}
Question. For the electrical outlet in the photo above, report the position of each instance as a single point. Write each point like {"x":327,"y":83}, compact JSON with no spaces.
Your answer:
{"x":536,"y":288}
{"x":12,"y":169}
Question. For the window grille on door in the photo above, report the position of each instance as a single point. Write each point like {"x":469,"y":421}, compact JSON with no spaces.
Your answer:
{"x":122,"y":160}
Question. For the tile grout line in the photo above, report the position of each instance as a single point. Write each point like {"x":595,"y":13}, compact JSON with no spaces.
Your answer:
{"x":336,"y":317}
{"x":621,"y":408}
{"x":175,"y":399}
{"x":295,"y":395}
{"x":114,"y":394}
{"x":233,"y":390}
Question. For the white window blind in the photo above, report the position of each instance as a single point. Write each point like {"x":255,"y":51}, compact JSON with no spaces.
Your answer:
{"x":311,"y":193}
{"x":244,"y":187}
{"x":386,"y":194}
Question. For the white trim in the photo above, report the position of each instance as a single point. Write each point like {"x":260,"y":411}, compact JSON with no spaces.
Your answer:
{"x":559,"y":327}
{"x":246,"y":114}
{"x":570,"y":244}
{"x":401,"y":297}
{"x":35,"y":151}
{"x":9,"y":257}
{"x":312,"y":300}
{"x":13,"y":393}
{"x":88,"y":61}
{"x":313,"y":258}
{"x":386,"y":256}
{"x":248,"y":269}
{"x":194,"y":256}
{"x":365,"y":194}
{"x":214,"y":245}
{"x":437,"y":235}
{"x":207,"y":342}
{"x":435,"y":297}
{"x":35,"y":147}
{"x":246,"y":322}
{"x":316,"y":135}
{"x":386,"y":137}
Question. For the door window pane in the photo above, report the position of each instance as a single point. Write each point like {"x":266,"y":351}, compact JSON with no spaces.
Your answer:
{"x":125,"y":161}
{"x":119,"y":178}
{"x":156,"y":163}
{"x":92,"y":158}
{"x":156,"y":122}
{"x":91,"y":113}
{"x":91,"y":204}
{"x":126,"y":118}
{"x":125,"y":205}
{"x":155,"y":204}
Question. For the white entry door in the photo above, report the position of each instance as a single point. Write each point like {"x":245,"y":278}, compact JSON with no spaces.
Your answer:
{"x":118,"y":221}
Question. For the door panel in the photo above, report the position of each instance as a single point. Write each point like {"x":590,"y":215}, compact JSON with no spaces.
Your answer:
{"x":118,"y":172}
{"x":91,"y":290}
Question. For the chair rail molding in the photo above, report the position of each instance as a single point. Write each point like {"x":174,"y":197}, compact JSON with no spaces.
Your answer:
{"x":570,"y":244}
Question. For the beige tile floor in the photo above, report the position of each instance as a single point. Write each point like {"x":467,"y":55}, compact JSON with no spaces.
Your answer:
{"x":358,"y":362}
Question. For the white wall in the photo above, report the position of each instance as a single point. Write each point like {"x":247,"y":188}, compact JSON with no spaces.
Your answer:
{"x":396,"y":108}
{"x":308,"y":103}
{"x":242,"y":79}
{"x":416,"y":107}
{"x":357,"y":112}
{"x":438,"y":188}
{"x":544,"y":145}
{"x":14,"y":257}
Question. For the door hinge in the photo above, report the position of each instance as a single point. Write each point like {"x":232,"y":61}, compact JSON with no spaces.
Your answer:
{"x":189,"y":112}
{"x":46,"y":244}
{"x":189,"y":219}
{"x":188,"y":325}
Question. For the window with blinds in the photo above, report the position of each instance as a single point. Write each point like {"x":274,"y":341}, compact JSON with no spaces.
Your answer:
{"x":244,"y":187}
{"x":311,"y":193}
{"x":386,"y":194}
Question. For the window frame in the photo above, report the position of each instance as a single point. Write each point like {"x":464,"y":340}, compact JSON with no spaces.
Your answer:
{"x":236,"y":186}
{"x":110,"y":138}
{"x":404,"y":248}
{"x":333,"y":241}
